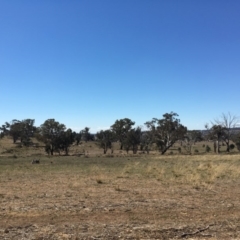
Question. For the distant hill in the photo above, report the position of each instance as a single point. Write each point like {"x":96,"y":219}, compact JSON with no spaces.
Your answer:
{"x":234,"y":130}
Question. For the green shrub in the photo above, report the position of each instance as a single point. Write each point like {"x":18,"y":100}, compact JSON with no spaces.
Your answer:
{"x":231,"y":146}
{"x":208,"y":149}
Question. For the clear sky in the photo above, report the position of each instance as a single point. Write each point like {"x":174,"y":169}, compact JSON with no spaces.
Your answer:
{"x":91,"y":62}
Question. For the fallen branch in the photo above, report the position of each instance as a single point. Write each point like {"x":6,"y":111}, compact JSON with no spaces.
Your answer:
{"x":198,"y":231}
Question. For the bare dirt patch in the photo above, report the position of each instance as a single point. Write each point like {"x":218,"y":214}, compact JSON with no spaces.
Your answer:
{"x":120,"y":198}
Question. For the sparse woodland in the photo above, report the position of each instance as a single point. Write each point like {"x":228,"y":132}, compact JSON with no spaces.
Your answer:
{"x":165,"y":135}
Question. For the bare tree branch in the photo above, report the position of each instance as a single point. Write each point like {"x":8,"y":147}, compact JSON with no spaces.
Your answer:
{"x":228,"y":122}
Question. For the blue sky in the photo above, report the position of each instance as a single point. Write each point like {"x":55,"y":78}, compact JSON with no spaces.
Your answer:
{"x":91,"y":62}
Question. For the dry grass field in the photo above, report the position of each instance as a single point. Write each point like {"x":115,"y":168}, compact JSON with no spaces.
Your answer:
{"x":118,"y":196}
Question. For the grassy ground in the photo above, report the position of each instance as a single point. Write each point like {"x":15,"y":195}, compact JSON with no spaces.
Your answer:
{"x":91,"y":196}
{"x":157,"y":197}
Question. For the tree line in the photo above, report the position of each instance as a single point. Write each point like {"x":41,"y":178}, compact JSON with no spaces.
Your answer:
{"x":160,"y":133}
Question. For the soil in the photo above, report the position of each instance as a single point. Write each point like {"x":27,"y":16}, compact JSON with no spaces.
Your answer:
{"x":64,"y":205}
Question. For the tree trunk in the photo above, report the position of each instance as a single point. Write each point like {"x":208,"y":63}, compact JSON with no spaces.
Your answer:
{"x":134,"y":149}
{"x":121,"y":146}
{"x":216,"y":146}
{"x":66,"y":151}
{"x":147,"y":149}
{"x":163,"y":151}
{"x":228,"y":148}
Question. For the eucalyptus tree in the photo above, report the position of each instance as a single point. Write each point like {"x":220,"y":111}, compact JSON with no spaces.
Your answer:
{"x":217,"y":133}
{"x":227,"y":123}
{"x":77,"y":137}
{"x":121,"y":128}
{"x":22,"y":130}
{"x":85,"y":134}
{"x":65,"y":140}
{"x":166,"y":131}
{"x":190,"y":138}
{"x":5,"y":129}
{"x":15,"y":129}
{"x":28,"y":130}
{"x":105,"y":139}
{"x":51,"y":132}
{"x":146,"y":141}
{"x":132,"y":140}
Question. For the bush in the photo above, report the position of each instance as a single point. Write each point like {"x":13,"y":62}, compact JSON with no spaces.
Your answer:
{"x":208,"y":149}
{"x":196,"y":151}
{"x":231,"y":146}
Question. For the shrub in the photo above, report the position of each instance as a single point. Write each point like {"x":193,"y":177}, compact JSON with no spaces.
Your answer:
{"x":231,"y":146}
{"x":208,"y":149}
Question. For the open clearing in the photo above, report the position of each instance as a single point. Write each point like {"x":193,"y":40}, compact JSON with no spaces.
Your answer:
{"x":142,"y":197}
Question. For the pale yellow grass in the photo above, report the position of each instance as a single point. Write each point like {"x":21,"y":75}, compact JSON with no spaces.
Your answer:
{"x":199,"y":169}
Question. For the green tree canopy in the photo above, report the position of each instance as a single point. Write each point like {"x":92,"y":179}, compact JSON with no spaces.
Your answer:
{"x":86,"y":135}
{"x":146,"y":141}
{"x":51,"y":133}
{"x":22,"y":130}
{"x":120,"y":128}
{"x":166,"y":131}
{"x":132,"y":139}
{"x":65,"y":140}
{"x":105,"y":139}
